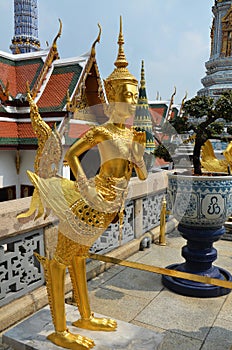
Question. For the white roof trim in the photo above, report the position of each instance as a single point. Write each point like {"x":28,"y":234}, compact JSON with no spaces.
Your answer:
{"x":24,"y":56}
{"x":28,"y":120}
{"x":82,"y":60}
{"x":157,"y":102}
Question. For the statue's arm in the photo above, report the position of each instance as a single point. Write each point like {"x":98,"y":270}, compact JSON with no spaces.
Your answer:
{"x":141,"y":171}
{"x":89,"y":140}
{"x":138,"y":146}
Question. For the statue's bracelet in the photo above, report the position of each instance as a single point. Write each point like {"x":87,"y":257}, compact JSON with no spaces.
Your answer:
{"x":81,"y":181}
{"x":139,"y":164}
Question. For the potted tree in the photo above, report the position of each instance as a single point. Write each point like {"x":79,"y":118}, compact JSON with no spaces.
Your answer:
{"x":201,"y":202}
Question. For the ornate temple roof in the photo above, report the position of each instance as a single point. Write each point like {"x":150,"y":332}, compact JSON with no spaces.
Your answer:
{"x":49,"y":79}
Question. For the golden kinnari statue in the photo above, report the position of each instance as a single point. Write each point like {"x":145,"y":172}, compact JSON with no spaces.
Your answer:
{"x":211,"y":163}
{"x":86,"y":207}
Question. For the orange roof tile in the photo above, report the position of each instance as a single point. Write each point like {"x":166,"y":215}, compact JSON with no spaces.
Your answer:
{"x":8,"y":73}
{"x":18,"y":130}
{"x":8,"y":129}
{"x":25,"y":73}
{"x":160,"y":162}
{"x":25,"y":130}
{"x":157,"y":113}
{"x":55,"y":91}
{"x":18,"y":74}
{"x":77,"y":130}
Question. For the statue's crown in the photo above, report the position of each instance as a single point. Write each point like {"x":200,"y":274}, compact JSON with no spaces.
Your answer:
{"x":120,"y":73}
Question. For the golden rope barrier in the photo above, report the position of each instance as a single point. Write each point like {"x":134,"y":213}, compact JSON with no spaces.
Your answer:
{"x":163,"y":271}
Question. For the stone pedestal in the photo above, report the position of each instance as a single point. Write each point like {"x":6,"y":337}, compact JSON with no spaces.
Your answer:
{"x":31,"y":334}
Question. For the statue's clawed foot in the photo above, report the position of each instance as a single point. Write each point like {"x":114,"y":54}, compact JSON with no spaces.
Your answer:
{"x":71,"y":341}
{"x":96,"y":324}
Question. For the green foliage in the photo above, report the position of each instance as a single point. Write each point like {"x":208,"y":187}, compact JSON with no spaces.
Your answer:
{"x":205,"y":113}
{"x":204,"y":117}
{"x":199,"y":106}
{"x":229,"y":130}
{"x":223,"y":106}
{"x":180,"y":124}
{"x":161,"y":152}
{"x":216,"y":128}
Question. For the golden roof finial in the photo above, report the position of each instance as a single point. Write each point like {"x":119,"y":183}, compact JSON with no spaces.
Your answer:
{"x":58,"y":34}
{"x":93,"y":51}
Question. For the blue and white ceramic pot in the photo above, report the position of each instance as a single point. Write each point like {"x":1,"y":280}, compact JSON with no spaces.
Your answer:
{"x":201,"y":205}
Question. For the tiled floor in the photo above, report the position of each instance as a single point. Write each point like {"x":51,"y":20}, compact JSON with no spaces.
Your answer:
{"x":139,"y":297}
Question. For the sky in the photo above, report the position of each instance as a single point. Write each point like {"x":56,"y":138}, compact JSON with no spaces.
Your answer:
{"x":171,"y":36}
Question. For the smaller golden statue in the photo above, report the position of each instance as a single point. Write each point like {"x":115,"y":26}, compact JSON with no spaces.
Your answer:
{"x":211,"y":163}
{"x":86,"y":207}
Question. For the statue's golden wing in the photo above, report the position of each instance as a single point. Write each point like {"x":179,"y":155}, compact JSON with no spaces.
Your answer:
{"x":210,"y":162}
{"x":48,"y":155}
{"x":49,"y":152}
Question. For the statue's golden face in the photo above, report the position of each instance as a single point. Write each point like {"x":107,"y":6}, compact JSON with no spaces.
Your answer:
{"x":126,"y":96}
{"x":127,"y":93}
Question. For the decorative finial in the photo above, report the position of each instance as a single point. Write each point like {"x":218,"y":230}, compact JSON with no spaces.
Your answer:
{"x":121,"y":59}
{"x":54,"y":44}
{"x":182,"y":104}
{"x":93,"y":51}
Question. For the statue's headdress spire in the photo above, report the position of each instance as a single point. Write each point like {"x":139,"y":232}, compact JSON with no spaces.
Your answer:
{"x":121,"y":59}
{"x":120,"y":73}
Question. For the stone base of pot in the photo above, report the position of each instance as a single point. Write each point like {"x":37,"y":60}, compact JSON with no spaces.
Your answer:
{"x":199,"y":255}
{"x":196,"y":289}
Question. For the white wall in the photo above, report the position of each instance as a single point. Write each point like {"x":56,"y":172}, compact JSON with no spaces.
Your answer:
{"x":26,"y":163}
{"x":8,"y":168}
{"x":8,"y":173}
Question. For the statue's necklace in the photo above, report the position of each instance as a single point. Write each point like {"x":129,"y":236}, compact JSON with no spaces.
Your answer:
{"x":119,"y":132}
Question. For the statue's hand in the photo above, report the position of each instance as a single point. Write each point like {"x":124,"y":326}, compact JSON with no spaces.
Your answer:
{"x":95,"y":199}
{"x":138,"y":146}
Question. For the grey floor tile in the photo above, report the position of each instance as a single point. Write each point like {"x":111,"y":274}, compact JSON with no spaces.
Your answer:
{"x":162,"y":256}
{"x":116,"y":304}
{"x":135,"y":283}
{"x":224,"y":247}
{"x":191,"y":317}
{"x":173,"y":341}
{"x":105,"y":276}
{"x":220,"y":335}
{"x":226,"y":310}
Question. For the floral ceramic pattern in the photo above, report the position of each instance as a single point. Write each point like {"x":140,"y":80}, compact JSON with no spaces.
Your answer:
{"x":200,"y":201}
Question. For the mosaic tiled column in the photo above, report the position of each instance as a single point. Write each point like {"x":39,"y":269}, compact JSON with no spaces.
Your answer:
{"x":25,"y":27}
